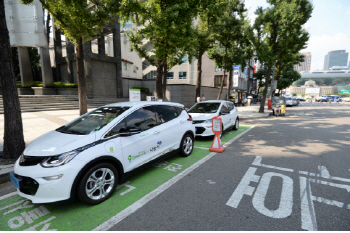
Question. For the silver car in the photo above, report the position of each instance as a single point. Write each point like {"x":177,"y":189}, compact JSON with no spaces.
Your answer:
{"x":295,"y":102}
{"x":289,"y":101}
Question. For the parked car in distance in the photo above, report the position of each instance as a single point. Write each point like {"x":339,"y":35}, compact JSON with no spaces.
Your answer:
{"x":295,"y":102}
{"x":345,"y":99}
{"x":89,"y":155}
{"x":301,"y":99}
{"x":289,"y":101}
{"x":203,"y":112}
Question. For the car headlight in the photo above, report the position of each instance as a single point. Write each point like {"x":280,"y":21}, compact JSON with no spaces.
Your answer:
{"x":58,"y":160}
{"x":207,"y":121}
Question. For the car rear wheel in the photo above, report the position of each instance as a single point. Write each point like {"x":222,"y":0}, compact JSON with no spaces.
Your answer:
{"x":186,"y":146}
{"x":98,"y":184}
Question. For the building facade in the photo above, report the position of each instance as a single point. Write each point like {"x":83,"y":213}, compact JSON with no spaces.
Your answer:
{"x":306,"y":65}
{"x":311,"y":89}
{"x":335,"y":58}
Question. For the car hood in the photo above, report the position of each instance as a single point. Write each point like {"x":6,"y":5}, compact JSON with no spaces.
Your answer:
{"x":55,"y":143}
{"x":202,"y":116}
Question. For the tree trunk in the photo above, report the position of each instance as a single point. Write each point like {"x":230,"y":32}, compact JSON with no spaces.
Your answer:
{"x":229,"y":84}
{"x":165,"y":73}
{"x":262,"y":104}
{"x":81,"y":78}
{"x":222,"y":85}
{"x":13,"y":127}
{"x":199,"y":75}
{"x":48,"y":27}
{"x":159,"y":79}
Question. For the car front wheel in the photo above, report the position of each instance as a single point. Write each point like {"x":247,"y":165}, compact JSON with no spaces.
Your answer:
{"x":236,"y":126}
{"x":98,"y":184}
{"x":186,"y":146}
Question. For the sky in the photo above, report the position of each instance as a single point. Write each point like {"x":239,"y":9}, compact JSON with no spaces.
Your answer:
{"x":328,"y":28}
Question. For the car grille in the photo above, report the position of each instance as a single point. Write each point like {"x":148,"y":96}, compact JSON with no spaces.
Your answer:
{"x":200,"y":130}
{"x":28,"y":186}
{"x":31,"y":160}
{"x":197,"y":122}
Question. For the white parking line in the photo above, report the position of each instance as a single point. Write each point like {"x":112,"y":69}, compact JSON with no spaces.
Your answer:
{"x":8,"y":195}
{"x":144,"y":200}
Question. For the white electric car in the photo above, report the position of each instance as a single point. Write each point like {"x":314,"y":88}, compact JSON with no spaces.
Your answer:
{"x":203,"y":112}
{"x":88,"y":156}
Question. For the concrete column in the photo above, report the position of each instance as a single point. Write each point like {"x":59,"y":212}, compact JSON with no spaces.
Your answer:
{"x":118,"y":55}
{"x":25,"y":68}
{"x":87,"y":69}
{"x":46,"y":69}
{"x":70,"y":58}
{"x":101,"y":46}
{"x":58,"y":49}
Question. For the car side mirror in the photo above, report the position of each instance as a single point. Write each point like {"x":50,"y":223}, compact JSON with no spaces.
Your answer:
{"x":224,"y":112}
{"x":130,"y":131}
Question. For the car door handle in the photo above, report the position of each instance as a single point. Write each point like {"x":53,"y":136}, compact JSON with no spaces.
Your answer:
{"x":182,"y":121}
{"x":156,"y":132}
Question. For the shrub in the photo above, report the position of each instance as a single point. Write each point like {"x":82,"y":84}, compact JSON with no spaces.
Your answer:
{"x":142,"y":89}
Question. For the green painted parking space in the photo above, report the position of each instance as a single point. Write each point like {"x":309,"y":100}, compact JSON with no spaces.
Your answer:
{"x":19,"y":214}
{"x":226,"y":137}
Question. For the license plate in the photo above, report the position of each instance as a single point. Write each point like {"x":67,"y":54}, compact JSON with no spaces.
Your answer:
{"x":15,"y":181}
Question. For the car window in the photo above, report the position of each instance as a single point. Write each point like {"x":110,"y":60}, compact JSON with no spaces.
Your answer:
{"x":230,"y":106}
{"x":120,"y":127}
{"x":93,"y":121}
{"x":166,"y":113}
{"x":144,"y":118}
{"x":205,"y":108}
{"x":224,"y":108}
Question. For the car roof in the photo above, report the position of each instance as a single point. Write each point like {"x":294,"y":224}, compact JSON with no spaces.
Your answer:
{"x":215,"y":101}
{"x":142,"y":103}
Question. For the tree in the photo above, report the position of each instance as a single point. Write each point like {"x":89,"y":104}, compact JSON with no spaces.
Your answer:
{"x":203,"y":36}
{"x":164,"y":33}
{"x":13,"y":135}
{"x":80,"y":20}
{"x":278,"y":35}
{"x":231,"y":45}
{"x":288,"y":76}
{"x":260,"y":75}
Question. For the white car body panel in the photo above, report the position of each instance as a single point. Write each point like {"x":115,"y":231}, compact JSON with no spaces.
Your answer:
{"x":227,"y":120}
{"x":55,"y":143}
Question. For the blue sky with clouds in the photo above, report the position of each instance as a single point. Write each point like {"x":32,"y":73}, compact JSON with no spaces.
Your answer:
{"x":328,"y":27}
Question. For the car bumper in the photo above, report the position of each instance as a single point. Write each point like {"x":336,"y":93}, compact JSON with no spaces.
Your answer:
{"x":40,"y":190}
{"x":204,"y":130}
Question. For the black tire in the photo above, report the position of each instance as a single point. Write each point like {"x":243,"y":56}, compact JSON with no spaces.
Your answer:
{"x":236,"y":126}
{"x":186,"y":145}
{"x":108,"y":184}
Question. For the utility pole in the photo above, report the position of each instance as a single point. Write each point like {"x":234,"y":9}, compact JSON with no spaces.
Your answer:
{"x":273,"y":79}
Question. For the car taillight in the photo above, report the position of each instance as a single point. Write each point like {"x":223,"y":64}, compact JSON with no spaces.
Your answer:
{"x":190,"y":118}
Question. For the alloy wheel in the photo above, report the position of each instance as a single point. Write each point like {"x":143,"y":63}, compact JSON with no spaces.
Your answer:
{"x":100,"y":183}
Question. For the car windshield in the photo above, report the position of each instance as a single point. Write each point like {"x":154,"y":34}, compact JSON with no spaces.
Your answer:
{"x":205,"y":108}
{"x":93,"y":121}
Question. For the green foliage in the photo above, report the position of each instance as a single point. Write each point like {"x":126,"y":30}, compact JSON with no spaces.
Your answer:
{"x":80,"y":18}
{"x":165,"y":24}
{"x":278,"y":34}
{"x":288,"y":76}
{"x":142,"y":89}
{"x":231,"y":47}
{"x":56,"y":84}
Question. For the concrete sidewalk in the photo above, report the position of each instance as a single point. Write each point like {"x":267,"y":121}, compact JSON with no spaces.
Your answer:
{"x":38,"y":123}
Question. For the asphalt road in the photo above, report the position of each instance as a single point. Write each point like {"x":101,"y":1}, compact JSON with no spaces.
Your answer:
{"x":287,"y":173}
